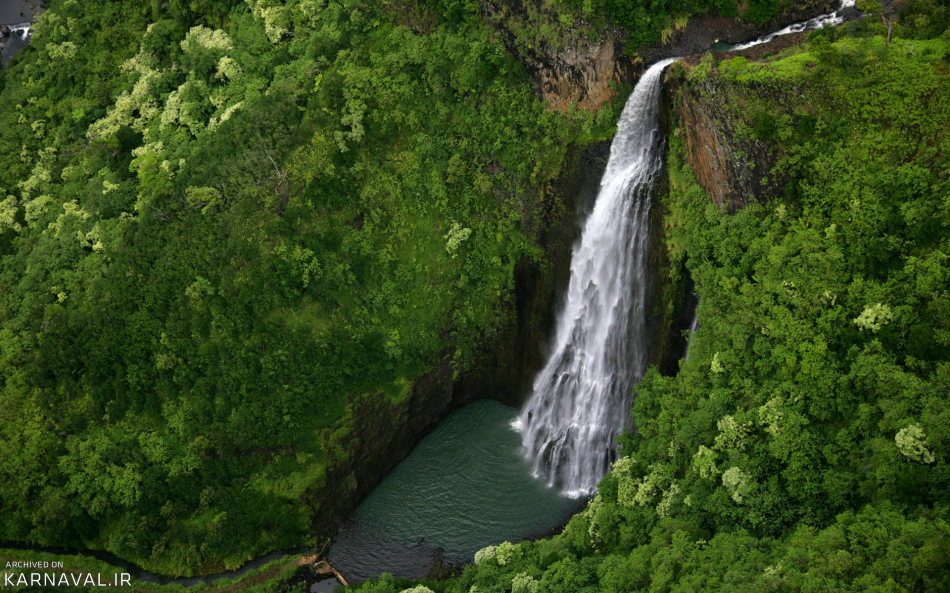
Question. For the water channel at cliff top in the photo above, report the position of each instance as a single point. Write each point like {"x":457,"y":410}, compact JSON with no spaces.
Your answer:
{"x":467,"y":485}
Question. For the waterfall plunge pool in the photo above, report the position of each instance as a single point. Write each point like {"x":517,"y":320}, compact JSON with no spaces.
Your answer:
{"x":467,"y":485}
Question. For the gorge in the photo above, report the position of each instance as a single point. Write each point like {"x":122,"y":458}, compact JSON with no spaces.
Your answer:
{"x":581,"y":397}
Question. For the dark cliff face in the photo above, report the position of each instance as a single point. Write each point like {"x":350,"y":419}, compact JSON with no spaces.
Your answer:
{"x":730,"y":161}
{"x":380,"y":434}
{"x":717,"y":120}
{"x":506,"y":368}
{"x":571,"y":70}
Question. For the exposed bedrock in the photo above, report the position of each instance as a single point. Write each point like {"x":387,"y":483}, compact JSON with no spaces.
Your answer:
{"x":589,"y":72}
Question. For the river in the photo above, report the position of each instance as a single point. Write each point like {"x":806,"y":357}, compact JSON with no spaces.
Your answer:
{"x":19,"y":11}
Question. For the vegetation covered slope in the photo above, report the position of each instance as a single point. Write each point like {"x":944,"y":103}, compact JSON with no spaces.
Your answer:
{"x":640,"y":22}
{"x":802,"y":447}
{"x":220,"y":222}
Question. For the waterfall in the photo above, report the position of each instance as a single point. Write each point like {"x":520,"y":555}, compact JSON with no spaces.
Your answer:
{"x":581,"y":399}
{"x":693,"y":326}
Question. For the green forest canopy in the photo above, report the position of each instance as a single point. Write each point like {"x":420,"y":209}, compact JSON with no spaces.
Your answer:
{"x":221,"y":221}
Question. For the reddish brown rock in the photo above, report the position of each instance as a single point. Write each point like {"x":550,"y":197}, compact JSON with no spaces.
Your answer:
{"x":587,"y":76}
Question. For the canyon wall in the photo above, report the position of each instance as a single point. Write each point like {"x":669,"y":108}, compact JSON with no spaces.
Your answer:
{"x":726,"y":130}
{"x":733,"y":166}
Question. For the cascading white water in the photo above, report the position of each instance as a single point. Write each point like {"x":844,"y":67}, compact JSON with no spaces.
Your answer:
{"x":581,"y":399}
{"x":833,"y":19}
{"x":693,"y":326}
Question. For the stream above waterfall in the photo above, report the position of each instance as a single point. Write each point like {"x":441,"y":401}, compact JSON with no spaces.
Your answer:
{"x":16,"y":16}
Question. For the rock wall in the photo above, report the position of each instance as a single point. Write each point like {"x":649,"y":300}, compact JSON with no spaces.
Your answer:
{"x":506,"y":368}
{"x":588,"y":76}
{"x":729,"y":161}
{"x":566,"y":71}
{"x":716,"y":117}
{"x":670,"y":303}
{"x":380,"y":434}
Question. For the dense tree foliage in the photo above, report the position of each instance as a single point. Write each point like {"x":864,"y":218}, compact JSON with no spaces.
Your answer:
{"x":802,"y":447}
{"x":221,"y":222}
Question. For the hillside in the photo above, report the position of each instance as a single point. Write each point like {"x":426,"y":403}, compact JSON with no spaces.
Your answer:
{"x":224,"y":225}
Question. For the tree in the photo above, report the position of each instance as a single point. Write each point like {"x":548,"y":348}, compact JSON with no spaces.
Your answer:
{"x":876,"y":8}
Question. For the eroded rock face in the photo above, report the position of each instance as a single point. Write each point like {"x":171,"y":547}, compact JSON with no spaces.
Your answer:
{"x":580,"y":71}
{"x":587,"y":76}
{"x":729,"y":162}
{"x":588,"y":72}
